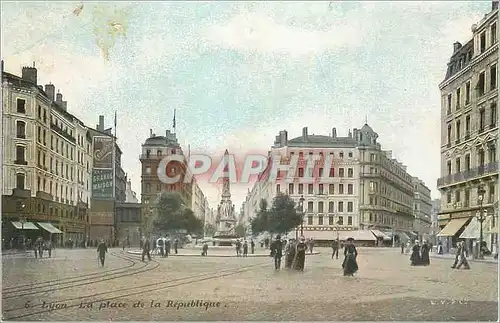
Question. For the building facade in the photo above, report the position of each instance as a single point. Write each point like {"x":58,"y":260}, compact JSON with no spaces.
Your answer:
{"x":198,"y":205}
{"x":154,"y":149}
{"x":43,"y":179}
{"x":422,"y":209}
{"x":365,"y":188}
{"x":128,"y":223}
{"x":469,"y":133}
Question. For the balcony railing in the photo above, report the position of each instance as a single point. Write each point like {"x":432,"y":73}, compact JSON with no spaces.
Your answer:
{"x":63,"y":133}
{"x":466,"y":175}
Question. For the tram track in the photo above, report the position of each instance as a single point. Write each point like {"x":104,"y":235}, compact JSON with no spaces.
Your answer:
{"x":87,"y":281}
{"x":127,"y":292}
{"x":24,"y":287}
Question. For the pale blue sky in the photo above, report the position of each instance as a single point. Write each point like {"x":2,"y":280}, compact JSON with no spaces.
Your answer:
{"x":237,"y":73}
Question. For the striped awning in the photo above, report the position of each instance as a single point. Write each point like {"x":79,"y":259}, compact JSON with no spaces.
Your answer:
{"x":49,"y":227}
{"x":24,"y":226}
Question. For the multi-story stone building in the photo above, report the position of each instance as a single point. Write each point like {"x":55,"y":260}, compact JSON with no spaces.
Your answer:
{"x":198,"y":202}
{"x":469,"y":132}
{"x":154,"y":149}
{"x":422,"y":209}
{"x":366,"y":187}
{"x":42,"y":180}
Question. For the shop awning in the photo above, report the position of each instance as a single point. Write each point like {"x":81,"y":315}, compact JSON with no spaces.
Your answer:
{"x":49,"y":227}
{"x":357,"y":235}
{"x":380,"y":234}
{"x":321,"y":235}
{"x":403,"y":236}
{"x":452,"y":227}
{"x":25,"y":226}
{"x":471,"y":230}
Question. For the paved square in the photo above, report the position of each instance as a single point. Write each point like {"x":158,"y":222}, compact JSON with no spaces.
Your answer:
{"x":70,"y":286}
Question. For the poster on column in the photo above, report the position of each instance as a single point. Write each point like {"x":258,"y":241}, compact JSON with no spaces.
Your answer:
{"x":102,"y":184}
{"x":103,"y":152}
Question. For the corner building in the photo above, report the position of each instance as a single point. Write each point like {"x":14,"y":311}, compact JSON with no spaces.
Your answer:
{"x":46,"y":170}
{"x":469,"y":135}
{"x":154,"y":149}
{"x":365,"y":190}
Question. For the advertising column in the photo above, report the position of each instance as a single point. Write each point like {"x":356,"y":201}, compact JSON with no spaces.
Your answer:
{"x":103,"y":189}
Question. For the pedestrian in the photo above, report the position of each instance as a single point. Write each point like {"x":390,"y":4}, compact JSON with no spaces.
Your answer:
{"x":39,"y":245}
{"x":167,"y":247}
{"x":205,"y":249}
{"x":245,"y":249}
{"x":238,"y":248}
{"x":277,"y":252}
{"x":335,"y":249}
{"x":146,"y":248}
{"x":123,"y":245}
{"x":350,"y":264}
{"x":176,"y":245}
{"x":289,"y":253}
{"x":460,"y":257}
{"x":48,"y":245}
{"x":300,"y":255}
{"x":161,"y":244}
{"x":440,"y":248}
{"x":252,"y":246}
{"x":424,"y":254}
{"x":415,"y":255}
{"x":101,"y":251}
{"x":402,"y":247}
{"x":311,"y":245}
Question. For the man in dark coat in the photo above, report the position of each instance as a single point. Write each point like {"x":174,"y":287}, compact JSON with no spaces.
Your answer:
{"x":245,"y":248}
{"x":102,"y":248}
{"x":424,"y":254}
{"x":252,"y":246}
{"x":277,"y":252}
{"x":176,"y":245}
{"x":290,"y":253}
{"x":205,"y":249}
{"x":335,"y":249}
{"x":146,"y":248}
{"x":350,"y":263}
{"x":415,"y":254}
{"x":167,"y":247}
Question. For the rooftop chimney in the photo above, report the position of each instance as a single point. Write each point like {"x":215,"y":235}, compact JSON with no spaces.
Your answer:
{"x":494,"y":5}
{"x":30,"y":74}
{"x":58,"y":97}
{"x":150,"y":133}
{"x":2,"y":65}
{"x":349,"y":134}
{"x":334,"y":132}
{"x":50,"y":90}
{"x":100,"y":127}
{"x":456,"y":46}
{"x":304,"y":132}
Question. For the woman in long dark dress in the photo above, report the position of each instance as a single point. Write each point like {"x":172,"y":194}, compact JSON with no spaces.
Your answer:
{"x":415,"y":254}
{"x":290,"y":253}
{"x":350,"y":264}
{"x":424,"y":251}
{"x":300,"y":255}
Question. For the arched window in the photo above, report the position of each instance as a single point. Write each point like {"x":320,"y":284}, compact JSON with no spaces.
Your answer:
{"x":20,"y":180}
{"x":21,"y":129}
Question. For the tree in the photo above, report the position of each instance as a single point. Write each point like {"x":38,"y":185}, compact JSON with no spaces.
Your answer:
{"x":209,"y":229}
{"x":193,"y":225}
{"x":172,"y":215}
{"x":240,"y":230}
{"x":260,"y":222}
{"x":283,"y":215}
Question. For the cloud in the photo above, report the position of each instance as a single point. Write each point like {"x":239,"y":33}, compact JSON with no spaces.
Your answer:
{"x":261,"y":33}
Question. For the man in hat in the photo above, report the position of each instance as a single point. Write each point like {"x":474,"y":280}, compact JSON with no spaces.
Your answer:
{"x":102,"y":248}
{"x":300,"y":254}
{"x":146,"y":248}
{"x":277,"y":252}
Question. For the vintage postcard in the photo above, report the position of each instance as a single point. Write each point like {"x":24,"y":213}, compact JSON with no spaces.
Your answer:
{"x":249,"y":161}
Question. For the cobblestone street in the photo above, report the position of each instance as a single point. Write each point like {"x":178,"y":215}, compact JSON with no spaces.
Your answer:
{"x":229,"y":288}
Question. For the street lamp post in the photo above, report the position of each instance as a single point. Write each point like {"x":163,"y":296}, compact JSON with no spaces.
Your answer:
{"x":301,"y":207}
{"x":480,"y":217}
{"x":22,"y":219}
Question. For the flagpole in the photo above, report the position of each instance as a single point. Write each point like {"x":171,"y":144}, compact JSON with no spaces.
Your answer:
{"x":114,"y":185}
{"x":173,"y":122}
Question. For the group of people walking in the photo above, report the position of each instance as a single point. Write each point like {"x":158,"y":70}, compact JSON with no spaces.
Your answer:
{"x":295,"y":254}
{"x":239,"y":246}
{"x":420,"y":254}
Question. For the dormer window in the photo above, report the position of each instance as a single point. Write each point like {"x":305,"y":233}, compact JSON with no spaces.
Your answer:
{"x":148,"y":152}
{"x":158,"y":153}
{"x":173,"y":151}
